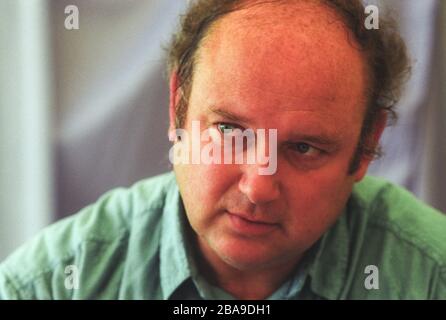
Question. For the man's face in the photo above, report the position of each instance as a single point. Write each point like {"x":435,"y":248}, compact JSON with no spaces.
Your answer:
{"x":271,"y":69}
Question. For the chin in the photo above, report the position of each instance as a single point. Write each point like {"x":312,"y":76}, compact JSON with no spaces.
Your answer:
{"x":245,"y":257}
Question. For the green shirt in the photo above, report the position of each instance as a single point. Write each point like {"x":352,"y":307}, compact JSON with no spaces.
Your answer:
{"x":132,"y":244}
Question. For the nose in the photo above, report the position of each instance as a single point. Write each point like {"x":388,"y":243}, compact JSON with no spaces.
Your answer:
{"x":259,"y":189}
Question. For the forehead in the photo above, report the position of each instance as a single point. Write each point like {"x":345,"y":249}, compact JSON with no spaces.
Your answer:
{"x":295,"y":57}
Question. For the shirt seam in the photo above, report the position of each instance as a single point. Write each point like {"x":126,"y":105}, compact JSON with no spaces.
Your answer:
{"x":397,"y":231}
{"x":22,"y":283}
{"x":11,"y":287}
{"x":405,"y":237}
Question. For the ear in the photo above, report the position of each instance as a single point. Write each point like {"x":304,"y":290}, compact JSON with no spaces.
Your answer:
{"x":174,"y":98}
{"x":373,"y":140}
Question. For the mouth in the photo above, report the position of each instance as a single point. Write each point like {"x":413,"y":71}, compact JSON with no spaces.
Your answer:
{"x":248,"y":226}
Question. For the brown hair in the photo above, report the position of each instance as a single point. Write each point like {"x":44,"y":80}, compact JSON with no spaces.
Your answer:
{"x":383,"y":48}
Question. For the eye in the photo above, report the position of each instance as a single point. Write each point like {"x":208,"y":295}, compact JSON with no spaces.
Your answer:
{"x":304,"y":148}
{"x":225,"y":126}
{"x":305,"y":156}
{"x":222,"y":127}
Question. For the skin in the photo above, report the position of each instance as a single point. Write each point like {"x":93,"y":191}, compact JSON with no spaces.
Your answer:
{"x":308,"y":82}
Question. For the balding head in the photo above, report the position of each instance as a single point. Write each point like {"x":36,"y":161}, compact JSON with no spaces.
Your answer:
{"x":306,"y":39}
{"x":383,"y":50}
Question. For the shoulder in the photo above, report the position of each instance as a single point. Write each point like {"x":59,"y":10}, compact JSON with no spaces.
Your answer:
{"x":394,"y":209}
{"x":95,"y":241}
{"x":405,"y":236}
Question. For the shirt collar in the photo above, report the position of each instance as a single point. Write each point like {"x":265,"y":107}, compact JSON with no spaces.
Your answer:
{"x":329,"y":269}
{"x":174,"y":261}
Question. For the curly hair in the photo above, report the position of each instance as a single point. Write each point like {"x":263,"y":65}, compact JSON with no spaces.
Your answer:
{"x":384,"y":51}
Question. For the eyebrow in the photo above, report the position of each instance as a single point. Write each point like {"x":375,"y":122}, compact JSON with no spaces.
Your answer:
{"x":316,"y":139}
{"x":322,"y":139}
{"x":229,"y":115}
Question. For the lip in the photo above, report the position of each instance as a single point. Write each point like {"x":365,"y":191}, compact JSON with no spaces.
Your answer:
{"x":250,"y":227}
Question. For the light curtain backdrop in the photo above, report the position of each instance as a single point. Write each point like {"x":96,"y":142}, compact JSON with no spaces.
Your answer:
{"x":84,"y":111}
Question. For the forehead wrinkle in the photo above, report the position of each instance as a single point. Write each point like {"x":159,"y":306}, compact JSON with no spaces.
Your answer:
{"x":256,"y":57}
{"x":269,"y":32}
{"x":291,"y":118}
{"x":306,"y":17}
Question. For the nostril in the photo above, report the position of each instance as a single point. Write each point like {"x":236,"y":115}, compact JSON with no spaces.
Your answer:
{"x":259,"y":189}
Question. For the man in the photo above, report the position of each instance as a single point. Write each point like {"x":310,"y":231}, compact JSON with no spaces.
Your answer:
{"x":305,"y":224}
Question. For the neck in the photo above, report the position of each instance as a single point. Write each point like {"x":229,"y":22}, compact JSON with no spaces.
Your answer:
{"x":246,"y":284}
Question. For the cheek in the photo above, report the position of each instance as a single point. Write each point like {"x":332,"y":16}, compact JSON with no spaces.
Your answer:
{"x":202,"y":188}
{"x":315,"y":202}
